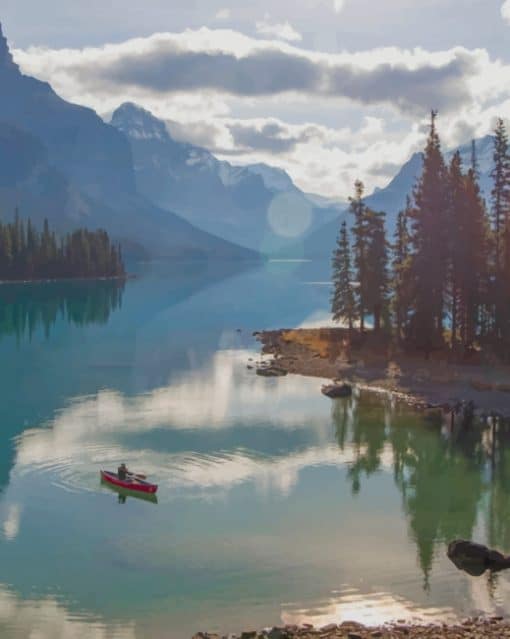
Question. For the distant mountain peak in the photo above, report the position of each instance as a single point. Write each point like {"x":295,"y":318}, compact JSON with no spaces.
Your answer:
{"x":274,"y":178}
{"x":6,"y":61}
{"x":138,"y":123}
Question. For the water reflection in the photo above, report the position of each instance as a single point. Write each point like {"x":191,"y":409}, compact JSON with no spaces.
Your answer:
{"x":26,"y":307}
{"x":445,"y":484}
{"x":123,"y":494}
{"x":275,"y":504}
{"x":48,"y":618}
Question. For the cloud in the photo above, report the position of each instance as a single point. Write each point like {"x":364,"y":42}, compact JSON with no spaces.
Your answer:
{"x":326,"y":119}
{"x":223,"y":14}
{"x":505,"y":11}
{"x":281,"y":31}
{"x":273,"y":136}
{"x":227,"y":63}
{"x":338,"y":5}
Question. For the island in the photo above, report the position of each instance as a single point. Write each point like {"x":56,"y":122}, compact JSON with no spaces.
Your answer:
{"x":427,"y":315}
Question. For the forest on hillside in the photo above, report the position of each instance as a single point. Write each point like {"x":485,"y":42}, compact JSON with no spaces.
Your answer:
{"x":443,"y":281}
{"x":29,"y":254}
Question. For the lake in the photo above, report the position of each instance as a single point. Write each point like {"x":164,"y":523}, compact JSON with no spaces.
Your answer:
{"x":275,"y":504}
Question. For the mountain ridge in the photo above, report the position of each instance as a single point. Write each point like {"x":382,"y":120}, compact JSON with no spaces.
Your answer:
{"x":256,"y":205}
{"x":392,"y":198}
{"x":80,"y":172}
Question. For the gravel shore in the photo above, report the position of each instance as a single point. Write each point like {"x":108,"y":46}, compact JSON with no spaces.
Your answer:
{"x":476,"y":628}
{"x":370,"y":363}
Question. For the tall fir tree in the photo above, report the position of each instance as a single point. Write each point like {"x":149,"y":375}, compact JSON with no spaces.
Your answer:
{"x":359,"y":230}
{"x":429,"y":239}
{"x":376,"y":271}
{"x":500,"y":191}
{"x":400,"y":271}
{"x":343,"y":303}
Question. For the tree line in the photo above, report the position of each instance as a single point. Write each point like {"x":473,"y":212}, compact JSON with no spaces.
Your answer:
{"x":444,"y":280}
{"x":27,"y":253}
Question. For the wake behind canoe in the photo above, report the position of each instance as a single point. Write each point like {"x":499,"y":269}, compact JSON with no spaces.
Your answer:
{"x":130,"y":483}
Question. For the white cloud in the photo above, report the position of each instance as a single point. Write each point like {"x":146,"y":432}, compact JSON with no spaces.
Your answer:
{"x":325,"y":118}
{"x":281,"y":31}
{"x":225,"y":62}
{"x":223,"y":14}
{"x":505,"y":11}
{"x":338,"y":5}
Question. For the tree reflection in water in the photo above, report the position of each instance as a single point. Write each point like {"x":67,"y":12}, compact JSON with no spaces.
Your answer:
{"x":24,"y":308}
{"x":447,"y":481}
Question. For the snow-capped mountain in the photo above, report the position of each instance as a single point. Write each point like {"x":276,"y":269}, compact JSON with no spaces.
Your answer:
{"x":257,"y":206}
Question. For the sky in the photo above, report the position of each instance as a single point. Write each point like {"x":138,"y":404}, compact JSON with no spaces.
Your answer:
{"x":329,"y":90}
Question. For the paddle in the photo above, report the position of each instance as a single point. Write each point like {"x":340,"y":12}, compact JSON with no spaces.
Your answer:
{"x":137,"y":475}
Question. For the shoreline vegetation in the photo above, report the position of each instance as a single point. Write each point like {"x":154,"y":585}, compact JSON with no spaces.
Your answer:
{"x":30,"y":255}
{"x":490,"y":627}
{"x":90,"y":278}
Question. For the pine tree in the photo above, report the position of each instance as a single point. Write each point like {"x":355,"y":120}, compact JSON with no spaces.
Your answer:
{"x":429,"y":239}
{"x":500,"y":199}
{"x":31,"y":255}
{"x":400,"y":271}
{"x":343,"y":304}
{"x":476,"y":280}
{"x":457,"y":248}
{"x":358,"y":209}
{"x":376,"y":271}
{"x":500,"y":191}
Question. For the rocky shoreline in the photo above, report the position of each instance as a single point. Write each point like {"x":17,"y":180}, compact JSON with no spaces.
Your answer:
{"x":474,"y":628}
{"x":374,"y":364}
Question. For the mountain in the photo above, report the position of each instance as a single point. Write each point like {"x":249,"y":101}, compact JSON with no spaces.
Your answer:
{"x":257,"y":206}
{"x":392,"y":198}
{"x":62,"y":161}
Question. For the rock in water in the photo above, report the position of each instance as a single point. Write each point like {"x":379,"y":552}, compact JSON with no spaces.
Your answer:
{"x":475,"y":558}
{"x":271,"y":371}
{"x":337,"y":390}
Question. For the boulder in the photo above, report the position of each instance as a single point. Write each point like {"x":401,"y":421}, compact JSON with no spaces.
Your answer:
{"x":277,"y":633}
{"x":337,"y":390}
{"x":271,"y":371}
{"x":475,"y":558}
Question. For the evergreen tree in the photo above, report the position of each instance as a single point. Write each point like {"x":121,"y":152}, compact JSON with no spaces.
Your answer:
{"x":448,"y":257}
{"x":32,"y":254}
{"x":400,"y":271}
{"x":358,"y":209}
{"x":343,"y":304}
{"x":476,"y":273}
{"x":457,"y":249}
{"x":429,"y":240}
{"x":500,"y":199}
{"x":500,"y":192}
{"x":375,"y":284}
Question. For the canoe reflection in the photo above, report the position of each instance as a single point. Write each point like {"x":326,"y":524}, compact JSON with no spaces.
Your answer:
{"x":124,"y":493}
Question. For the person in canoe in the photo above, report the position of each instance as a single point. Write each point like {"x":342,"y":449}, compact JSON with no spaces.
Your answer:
{"x":123,"y":472}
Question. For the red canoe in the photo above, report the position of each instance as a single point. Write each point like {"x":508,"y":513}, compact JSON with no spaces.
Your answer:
{"x":131,"y":483}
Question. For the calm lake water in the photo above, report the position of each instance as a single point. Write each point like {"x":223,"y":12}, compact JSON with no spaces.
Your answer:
{"x":275,"y":504}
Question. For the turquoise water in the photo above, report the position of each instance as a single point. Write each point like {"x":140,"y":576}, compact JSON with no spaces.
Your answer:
{"x":275,"y":505}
